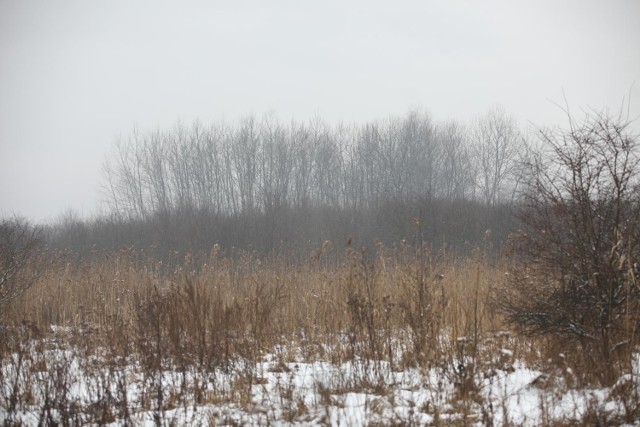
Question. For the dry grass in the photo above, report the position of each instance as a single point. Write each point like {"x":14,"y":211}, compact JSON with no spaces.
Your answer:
{"x":402,"y":307}
{"x":398,"y":291}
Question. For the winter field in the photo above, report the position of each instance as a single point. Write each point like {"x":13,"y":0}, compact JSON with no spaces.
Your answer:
{"x":396,"y":337}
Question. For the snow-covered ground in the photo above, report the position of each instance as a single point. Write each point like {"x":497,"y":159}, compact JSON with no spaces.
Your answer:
{"x":47,"y":385}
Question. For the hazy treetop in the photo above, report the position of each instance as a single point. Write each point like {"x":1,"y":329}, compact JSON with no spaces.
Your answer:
{"x":75,"y":74}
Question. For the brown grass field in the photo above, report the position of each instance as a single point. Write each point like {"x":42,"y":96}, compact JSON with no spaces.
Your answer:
{"x":395,"y":310}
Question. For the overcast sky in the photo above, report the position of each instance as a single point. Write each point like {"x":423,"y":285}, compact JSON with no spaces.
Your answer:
{"x":76,"y":74}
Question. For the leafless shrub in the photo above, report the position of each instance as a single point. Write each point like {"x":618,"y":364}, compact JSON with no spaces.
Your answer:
{"x":16,"y":356}
{"x":576,"y":258}
{"x":20,"y":245}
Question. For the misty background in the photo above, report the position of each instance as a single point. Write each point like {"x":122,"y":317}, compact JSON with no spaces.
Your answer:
{"x":77,"y":75}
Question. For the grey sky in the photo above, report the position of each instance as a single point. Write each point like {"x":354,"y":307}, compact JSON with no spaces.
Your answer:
{"x":75,"y":74}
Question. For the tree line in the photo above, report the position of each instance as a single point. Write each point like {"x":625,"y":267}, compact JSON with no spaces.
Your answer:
{"x":262,"y":165}
{"x":262,"y":183}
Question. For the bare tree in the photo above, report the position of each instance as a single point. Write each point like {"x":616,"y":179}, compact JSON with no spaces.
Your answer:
{"x":408,"y":157}
{"x":497,"y":147}
{"x":302,"y":166}
{"x":154,"y":163}
{"x":327,"y":160}
{"x":275,"y":164}
{"x":245,"y":167}
{"x":125,"y":176}
{"x":455,"y":172}
{"x":20,"y":266}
